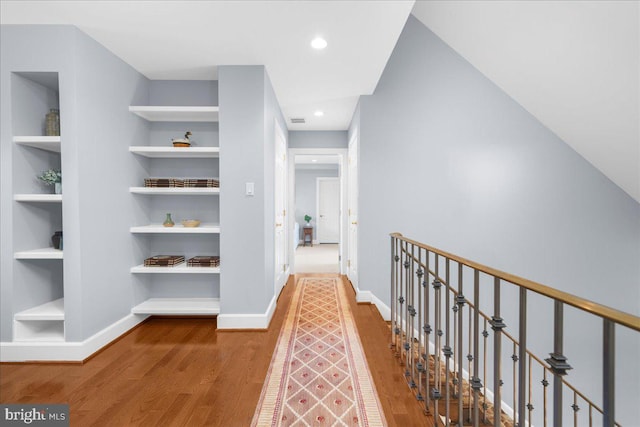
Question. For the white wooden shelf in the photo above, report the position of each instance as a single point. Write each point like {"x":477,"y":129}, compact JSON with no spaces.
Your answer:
{"x":179,"y":269}
{"x":42,"y":198}
{"x":40,"y":331}
{"x":176,"y":152}
{"x":176,"y":113}
{"x":53,"y":310}
{"x":47,"y":143}
{"x":44,"y":253}
{"x":192,"y":306}
{"x":176,"y":229}
{"x":176,"y":191}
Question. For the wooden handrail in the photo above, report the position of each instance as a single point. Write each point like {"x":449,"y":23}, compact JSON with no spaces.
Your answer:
{"x":600,"y":310}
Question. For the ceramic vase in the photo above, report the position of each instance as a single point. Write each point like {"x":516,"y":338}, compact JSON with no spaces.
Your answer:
{"x":168,"y":222}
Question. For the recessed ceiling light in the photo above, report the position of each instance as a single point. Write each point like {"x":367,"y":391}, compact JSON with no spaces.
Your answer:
{"x":314,"y":160}
{"x":318,"y":43}
{"x":319,"y":113}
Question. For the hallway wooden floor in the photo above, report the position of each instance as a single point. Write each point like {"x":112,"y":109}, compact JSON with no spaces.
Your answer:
{"x":176,"y":371}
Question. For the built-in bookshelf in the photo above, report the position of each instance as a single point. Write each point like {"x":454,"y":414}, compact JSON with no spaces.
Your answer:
{"x":177,"y":162}
{"x":38,"y":294}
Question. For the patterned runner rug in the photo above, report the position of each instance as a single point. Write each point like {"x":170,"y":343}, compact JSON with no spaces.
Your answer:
{"x":318,"y":374}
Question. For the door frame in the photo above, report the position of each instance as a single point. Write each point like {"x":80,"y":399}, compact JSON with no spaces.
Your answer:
{"x":318,"y":181}
{"x":281,"y":277}
{"x":342,"y":163}
{"x":353,"y":186}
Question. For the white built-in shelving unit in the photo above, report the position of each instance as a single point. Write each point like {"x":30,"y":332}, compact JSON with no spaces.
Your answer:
{"x":176,"y":229}
{"x":176,"y":152}
{"x":182,"y":191}
{"x":41,"y":323}
{"x":38,"y":198}
{"x":52,"y":310}
{"x":44,"y":253}
{"x":176,"y":305}
{"x":47,"y":143}
{"x":36,"y":215}
{"x":178,"y":269}
{"x":176,"y":114}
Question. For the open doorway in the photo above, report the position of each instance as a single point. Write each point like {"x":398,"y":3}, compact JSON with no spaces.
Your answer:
{"x":317,"y":192}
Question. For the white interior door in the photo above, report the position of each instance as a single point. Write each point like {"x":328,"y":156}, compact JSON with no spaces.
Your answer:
{"x":352,"y":200}
{"x":280,"y":192}
{"x":328,"y":224}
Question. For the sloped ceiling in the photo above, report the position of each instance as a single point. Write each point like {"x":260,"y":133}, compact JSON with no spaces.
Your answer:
{"x":574,"y":65}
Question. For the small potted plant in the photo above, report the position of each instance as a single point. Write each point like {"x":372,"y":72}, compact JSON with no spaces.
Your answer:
{"x":307,"y":218}
{"x":52,"y":177}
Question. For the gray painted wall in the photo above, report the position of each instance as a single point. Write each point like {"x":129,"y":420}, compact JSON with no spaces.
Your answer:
{"x":468,"y":170}
{"x":248,"y":111}
{"x":105,"y":88}
{"x":305,"y":194}
{"x":183,"y":92}
{"x":40,"y":49}
{"x":96,"y":89}
{"x":318,"y":139}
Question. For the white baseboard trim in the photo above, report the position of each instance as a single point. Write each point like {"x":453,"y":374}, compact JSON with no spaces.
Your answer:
{"x":368,"y":296}
{"x":23,"y":351}
{"x":248,"y":321}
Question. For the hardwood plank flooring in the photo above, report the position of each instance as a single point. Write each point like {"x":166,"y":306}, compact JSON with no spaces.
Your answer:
{"x":182,"y":372}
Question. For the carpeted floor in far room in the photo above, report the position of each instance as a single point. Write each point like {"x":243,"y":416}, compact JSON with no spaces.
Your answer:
{"x":319,"y":258}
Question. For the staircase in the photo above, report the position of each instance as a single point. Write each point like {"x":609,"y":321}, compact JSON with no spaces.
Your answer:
{"x":462,"y":364}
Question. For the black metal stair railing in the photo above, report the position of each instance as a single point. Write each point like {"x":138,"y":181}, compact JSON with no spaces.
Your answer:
{"x":442,"y":339}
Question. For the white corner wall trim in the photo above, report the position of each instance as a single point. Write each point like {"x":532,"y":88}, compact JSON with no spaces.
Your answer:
{"x":23,"y":351}
{"x":368,"y":296}
{"x":248,"y":321}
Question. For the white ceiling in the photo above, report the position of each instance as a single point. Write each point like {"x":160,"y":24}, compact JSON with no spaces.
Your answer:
{"x":317,"y":159}
{"x":187,"y":40}
{"x":572,"y":64}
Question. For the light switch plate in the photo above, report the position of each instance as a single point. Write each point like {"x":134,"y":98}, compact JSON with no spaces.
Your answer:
{"x":249,"y":189}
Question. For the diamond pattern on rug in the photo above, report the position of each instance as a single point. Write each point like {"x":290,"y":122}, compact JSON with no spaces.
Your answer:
{"x":324,"y":378}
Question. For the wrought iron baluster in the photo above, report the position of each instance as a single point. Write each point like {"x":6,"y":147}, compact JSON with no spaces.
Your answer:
{"x":575,"y":408}
{"x":497,"y":325}
{"x":406,"y":310}
{"x":447,"y":347}
{"x":470,"y":364}
{"x":401,"y":300}
{"x":558,"y":362}
{"x":460,"y":303}
{"x":456,"y":370}
{"x":394,"y":262}
{"x":608,"y":372}
{"x":545,"y":384}
{"x":398,"y":318}
{"x":522,"y":371}
{"x":437,"y":285}
{"x":476,"y":383}
{"x":426,"y":329}
{"x":485,"y":335}
{"x":420,"y":365}
{"x":412,"y":314}
{"x":514,"y":357}
{"x":529,"y":401}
